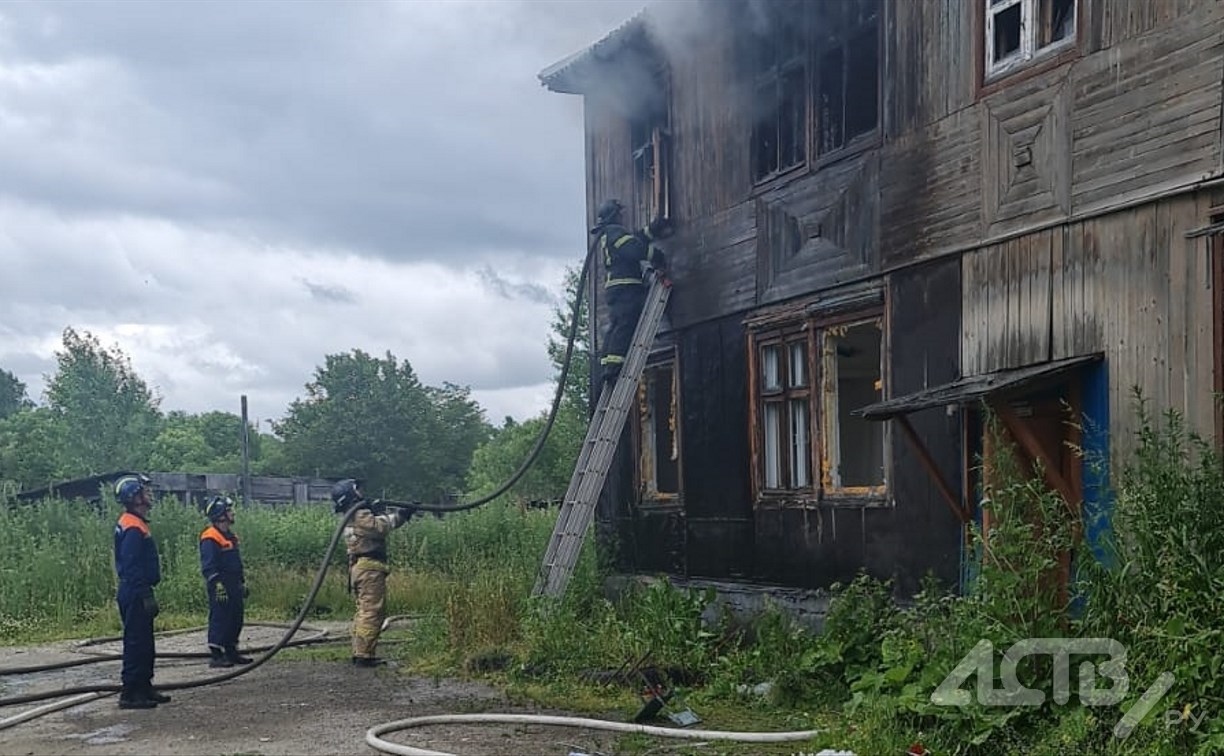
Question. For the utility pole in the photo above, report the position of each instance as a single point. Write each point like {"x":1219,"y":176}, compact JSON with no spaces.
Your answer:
{"x":246,"y":455}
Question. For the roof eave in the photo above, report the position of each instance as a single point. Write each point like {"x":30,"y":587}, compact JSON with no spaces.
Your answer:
{"x":567,"y":75}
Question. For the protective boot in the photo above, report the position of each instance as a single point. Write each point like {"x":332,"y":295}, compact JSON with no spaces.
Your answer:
{"x":156,"y":697}
{"x":219,"y":659}
{"x":131,"y":698}
{"x":365,"y":661}
{"x":233,"y":657}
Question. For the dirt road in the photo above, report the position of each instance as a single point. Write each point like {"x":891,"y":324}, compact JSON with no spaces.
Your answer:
{"x":287,"y":706}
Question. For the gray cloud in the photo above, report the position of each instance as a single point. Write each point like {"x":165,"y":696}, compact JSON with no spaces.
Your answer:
{"x":203,"y":184}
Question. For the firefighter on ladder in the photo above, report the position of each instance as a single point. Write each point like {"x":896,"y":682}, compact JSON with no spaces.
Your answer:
{"x":623,"y":254}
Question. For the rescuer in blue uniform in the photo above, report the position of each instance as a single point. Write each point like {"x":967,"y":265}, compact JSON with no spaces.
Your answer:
{"x":623,"y":254}
{"x":139,"y":571}
{"x":221,"y":563}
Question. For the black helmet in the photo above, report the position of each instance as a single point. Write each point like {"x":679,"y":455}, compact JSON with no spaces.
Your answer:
{"x":217,"y":507}
{"x":345,"y":494}
{"x":129,"y":487}
{"x":609,"y":212}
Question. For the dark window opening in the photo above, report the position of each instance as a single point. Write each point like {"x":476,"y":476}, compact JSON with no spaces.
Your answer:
{"x":854,"y":446}
{"x":1057,"y":20}
{"x":847,"y":82}
{"x":1007,"y":33}
{"x":779,"y":58}
{"x":660,"y":453}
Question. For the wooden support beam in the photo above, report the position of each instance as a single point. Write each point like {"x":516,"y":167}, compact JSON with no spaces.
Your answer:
{"x":1032,"y":447}
{"x":924,"y":456}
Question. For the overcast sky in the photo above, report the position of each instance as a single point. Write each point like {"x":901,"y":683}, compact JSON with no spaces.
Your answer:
{"x":229,"y":191}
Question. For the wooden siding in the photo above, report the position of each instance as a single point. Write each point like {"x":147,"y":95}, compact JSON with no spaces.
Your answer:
{"x":930,"y":190}
{"x":1113,"y":21}
{"x":929,"y":69}
{"x":1147,"y":112}
{"x":1128,"y":284}
{"x":1026,"y":154}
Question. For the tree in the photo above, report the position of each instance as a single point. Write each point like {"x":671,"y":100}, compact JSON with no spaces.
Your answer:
{"x":30,"y":444}
{"x":549,"y":476}
{"x":578,"y":380}
{"x":459,"y":428}
{"x":12,"y":395}
{"x":108,"y":415}
{"x":372,"y":419}
{"x":211,"y":442}
{"x":546,"y":480}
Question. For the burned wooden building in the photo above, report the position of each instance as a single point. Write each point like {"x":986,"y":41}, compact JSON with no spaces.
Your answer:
{"x":890,"y":213}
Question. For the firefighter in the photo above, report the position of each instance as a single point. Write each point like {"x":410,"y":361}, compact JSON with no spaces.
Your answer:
{"x":366,"y":540}
{"x":221,"y":564}
{"x":137,"y":566}
{"x":623,"y":254}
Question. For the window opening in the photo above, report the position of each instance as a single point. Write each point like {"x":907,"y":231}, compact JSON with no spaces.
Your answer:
{"x":853,"y":447}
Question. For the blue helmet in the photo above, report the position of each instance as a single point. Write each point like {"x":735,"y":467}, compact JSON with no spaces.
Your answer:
{"x":217,"y":507}
{"x":129,"y":487}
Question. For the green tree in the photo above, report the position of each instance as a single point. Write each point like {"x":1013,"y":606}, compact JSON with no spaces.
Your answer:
{"x":497,"y":460}
{"x":210,"y":442}
{"x":108,"y":415}
{"x":459,"y":427}
{"x":30,"y":444}
{"x":373,"y":419}
{"x":578,"y":379}
{"x":12,"y":395}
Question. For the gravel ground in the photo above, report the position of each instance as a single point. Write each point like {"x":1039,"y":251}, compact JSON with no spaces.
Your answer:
{"x":287,"y":706}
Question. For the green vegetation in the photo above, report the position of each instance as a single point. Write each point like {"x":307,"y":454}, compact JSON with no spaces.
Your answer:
{"x":866,"y":681}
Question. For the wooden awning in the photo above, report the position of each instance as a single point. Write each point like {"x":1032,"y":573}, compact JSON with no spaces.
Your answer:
{"x":965,"y":391}
{"x":974,"y":388}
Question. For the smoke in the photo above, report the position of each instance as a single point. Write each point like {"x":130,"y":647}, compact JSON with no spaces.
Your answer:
{"x":628,"y":77}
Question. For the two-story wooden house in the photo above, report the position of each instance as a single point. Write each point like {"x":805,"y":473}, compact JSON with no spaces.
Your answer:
{"x":890,"y":212}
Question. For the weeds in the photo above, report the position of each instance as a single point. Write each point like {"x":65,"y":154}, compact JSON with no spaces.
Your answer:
{"x":867,"y":678}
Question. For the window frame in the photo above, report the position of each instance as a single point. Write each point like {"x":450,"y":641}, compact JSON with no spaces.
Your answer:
{"x":645,"y":470}
{"x":873,"y":137}
{"x":1033,"y":60}
{"x":813,"y":328}
{"x":814,"y":159}
{"x":830,"y":421}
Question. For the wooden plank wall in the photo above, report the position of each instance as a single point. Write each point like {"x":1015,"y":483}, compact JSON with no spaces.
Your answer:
{"x":1114,"y":21}
{"x":1127,"y":284}
{"x":1147,"y":111}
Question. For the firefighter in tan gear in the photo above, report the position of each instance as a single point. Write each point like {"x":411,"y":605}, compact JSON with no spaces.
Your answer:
{"x":366,"y":539}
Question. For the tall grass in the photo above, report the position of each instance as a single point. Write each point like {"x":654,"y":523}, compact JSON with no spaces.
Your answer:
{"x":469,"y":577}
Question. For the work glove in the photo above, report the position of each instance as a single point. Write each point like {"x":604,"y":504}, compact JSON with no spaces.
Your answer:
{"x":150,"y":604}
{"x":401,"y":514}
{"x":658,"y":260}
{"x":220,"y":593}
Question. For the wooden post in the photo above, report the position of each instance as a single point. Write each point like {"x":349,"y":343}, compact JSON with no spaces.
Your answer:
{"x":924,"y":456}
{"x":246,"y":455}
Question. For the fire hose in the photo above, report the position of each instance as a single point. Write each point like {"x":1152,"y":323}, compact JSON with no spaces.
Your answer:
{"x":336,"y":535}
{"x":82,"y":694}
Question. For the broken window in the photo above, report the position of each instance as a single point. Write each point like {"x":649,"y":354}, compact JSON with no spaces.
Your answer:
{"x":1018,"y":31}
{"x":646,"y":133}
{"x":809,"y":379}
{"x":848,"y":71}
{"x":852,"y":459}
{"x":785,"y":411}
{"x":659,"y":459}
{"x":779,"y":53}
